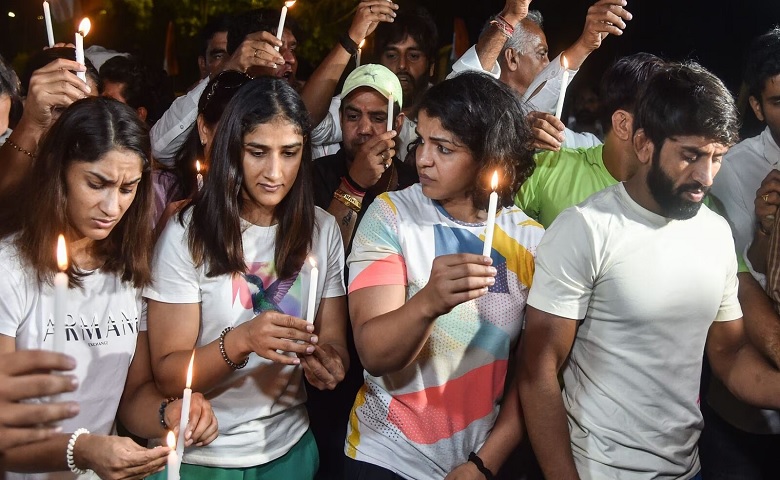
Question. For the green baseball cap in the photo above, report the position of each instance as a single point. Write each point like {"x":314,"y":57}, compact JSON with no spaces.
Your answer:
{"x":377,"y":77}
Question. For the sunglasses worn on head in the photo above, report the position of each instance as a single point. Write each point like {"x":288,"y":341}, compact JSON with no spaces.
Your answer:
{"x":224,"y":85}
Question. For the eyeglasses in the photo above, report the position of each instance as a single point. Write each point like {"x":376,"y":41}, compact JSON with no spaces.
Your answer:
{"x":222,"y":87}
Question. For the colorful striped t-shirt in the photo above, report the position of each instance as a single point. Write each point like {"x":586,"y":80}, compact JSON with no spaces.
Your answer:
{"x":422,"y":421}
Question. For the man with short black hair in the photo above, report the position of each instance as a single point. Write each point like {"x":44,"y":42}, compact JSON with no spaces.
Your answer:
{"x":630,"y":288}
{"x":213,"y":38}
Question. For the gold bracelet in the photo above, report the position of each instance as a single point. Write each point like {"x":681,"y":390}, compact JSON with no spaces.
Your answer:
{"x":348,"y":200}
{"x":18,"y":148}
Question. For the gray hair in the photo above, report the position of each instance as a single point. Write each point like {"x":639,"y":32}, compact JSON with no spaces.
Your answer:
{"x":522,"y":37}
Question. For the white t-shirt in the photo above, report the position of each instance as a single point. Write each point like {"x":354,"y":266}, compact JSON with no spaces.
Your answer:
{"x":648,"y":289}
{"x":260,"y":408}
{"x":102,"y":328}
{"x":422,"y":421}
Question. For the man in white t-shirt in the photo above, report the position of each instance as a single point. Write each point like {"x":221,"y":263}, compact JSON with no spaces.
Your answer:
{"x":631,"y":286}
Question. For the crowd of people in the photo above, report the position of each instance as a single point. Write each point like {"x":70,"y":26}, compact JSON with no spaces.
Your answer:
{"x":372,"y":276}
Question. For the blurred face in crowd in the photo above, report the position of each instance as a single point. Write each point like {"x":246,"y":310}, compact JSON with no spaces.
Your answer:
{"x":767,"y":108}
{"x":216,"y":54}
{"x":99,"y":193}
{"x":363,"y":115}
{"x":413,"y":68}
{"x":529,"y":61}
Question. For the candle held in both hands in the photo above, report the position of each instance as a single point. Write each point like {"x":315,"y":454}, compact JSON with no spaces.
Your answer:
{"x":60,"y":296}
{"x":84,"y":27}
{"x":282,"y":18}
{"x":313,"y":279}
{"x":47,"y":19}
{"x":564,"y":84}
{"x":186,"y":398}
{"x":491,"y":218}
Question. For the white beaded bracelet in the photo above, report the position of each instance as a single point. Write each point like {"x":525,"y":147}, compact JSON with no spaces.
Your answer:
{"x":69,"y":452}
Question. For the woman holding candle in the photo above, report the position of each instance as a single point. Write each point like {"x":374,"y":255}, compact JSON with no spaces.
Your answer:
{"x":90,"y":181}
{"x":231,"y":280}
{"x":435,"y":322}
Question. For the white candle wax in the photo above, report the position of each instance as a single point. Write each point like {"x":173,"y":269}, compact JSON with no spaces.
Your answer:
{"x":313,"y":278}
{"x":47,"y":19}
{"x":60,"y":296}
{"x":185,"y":419}
{"x":389,"y":112}
{"x":564,"y":84}
{"x":199,"y":176}
{"x":282,"y":19}
{"x":186,"y":398}
{"x":357,"y":57}
{"x":173,"y":459}
{"x":491,"y":223}
{"x":80,"y":55}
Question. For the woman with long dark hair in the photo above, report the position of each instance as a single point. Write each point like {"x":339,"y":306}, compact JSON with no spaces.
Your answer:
{"x":90,"y":182}
{"x":435,"y":321}
{"x":232,"y":278}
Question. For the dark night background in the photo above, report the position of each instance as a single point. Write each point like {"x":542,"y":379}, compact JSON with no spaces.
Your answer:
{"x":716,"y":33}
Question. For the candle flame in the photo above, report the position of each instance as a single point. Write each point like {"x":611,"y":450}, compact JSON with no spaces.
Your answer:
{"x":197,"y":165}
{"x":312,"y":262}
{"x":494,"y":181}
{"x":362,"y":42}
{"x":171,"y":440}
{"x":189,"y":370}
{"x":565,"y":62}
{"x":289,"y":4}
{"x":84,"y":27}
{"x":62,"y":254}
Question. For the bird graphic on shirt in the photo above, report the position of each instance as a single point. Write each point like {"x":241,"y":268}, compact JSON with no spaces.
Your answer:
{"x":264,"y":299}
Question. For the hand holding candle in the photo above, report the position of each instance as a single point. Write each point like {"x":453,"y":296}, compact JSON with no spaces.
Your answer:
{"x":47,"y":19}
{"x":185,"y":411}
{"x":199,"y":177}
{"x":313,"y":278}
{"x":173,"y":460}
{"x":491,"y":218}
{"x":282,"y":19}
{"x":564,"y":84}
{"x":60,"y":296}
{"x":84,"y":27}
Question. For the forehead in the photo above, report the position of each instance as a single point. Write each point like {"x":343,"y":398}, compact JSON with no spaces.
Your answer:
{"x":772,"y":86}
{"x":118,"y":162}
{"x":288,"y":37}
{"x":278,"y":131}
{"x":705,"y":145}
{"x":217,"y":41}
{"x":407,"y":43}
{"x":364,"y":98}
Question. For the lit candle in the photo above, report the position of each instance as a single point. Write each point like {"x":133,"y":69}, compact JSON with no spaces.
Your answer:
{"x":564,"y":84}
{"x":84,"y":27}
{"x":173,"y":459}
{"x":282,"y":18}
{"x":47,"y":19}
{"x":313,"y":277}
{"x":360,"y":50}
{"x":185,"y":412}
{"x":491,"y":218}
{"x":60,"y":296}
{"x":389,"y":112}
{"x":199,"y":177}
